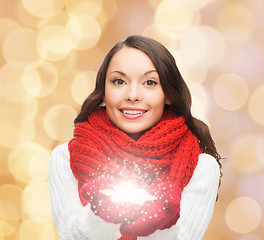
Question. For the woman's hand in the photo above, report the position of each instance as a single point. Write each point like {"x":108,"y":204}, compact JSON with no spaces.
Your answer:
{"x":159,"y":214}
{"x":94,"y":192}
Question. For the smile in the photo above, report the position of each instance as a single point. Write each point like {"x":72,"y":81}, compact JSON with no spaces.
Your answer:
{"x":132,"y":114}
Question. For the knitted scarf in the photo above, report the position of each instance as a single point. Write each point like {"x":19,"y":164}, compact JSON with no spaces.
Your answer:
{"x":168,"y":151}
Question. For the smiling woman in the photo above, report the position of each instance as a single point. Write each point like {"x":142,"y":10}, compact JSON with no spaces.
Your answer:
{"x":140,"y":167}
{"x":133,"y":92}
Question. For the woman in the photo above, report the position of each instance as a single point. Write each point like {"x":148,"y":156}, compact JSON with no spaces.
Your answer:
{"x":145,"y":135}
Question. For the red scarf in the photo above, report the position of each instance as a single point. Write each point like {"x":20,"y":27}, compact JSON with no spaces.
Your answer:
{"x":168,"y":150}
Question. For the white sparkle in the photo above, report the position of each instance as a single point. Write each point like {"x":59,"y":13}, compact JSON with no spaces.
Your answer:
{"x":128,"y":192}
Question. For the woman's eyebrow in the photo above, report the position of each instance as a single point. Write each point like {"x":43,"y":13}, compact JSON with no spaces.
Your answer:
{"x":123,"y":74}
{"x":119,"y":72}
{"x":150,"y":71}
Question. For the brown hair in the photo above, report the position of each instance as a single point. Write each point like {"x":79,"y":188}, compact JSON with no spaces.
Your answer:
{"x":173,"y":85}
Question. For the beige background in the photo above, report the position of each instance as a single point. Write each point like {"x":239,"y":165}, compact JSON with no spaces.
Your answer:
{"x":50,"y":51}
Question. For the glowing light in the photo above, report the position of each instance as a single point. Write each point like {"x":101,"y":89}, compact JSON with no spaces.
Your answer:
{"x":160,"y":34}
{"x":256,"y":105}
{"x":249,"y":185}
{"x":243,"y":215}
{"x":230,"y":91}
{"x":260,"y":149}
{"x":12,"y":195}
{"x":6,"y":228}
{"x":83,"y":32}
{"x":200,"y":99}
{"x":18,"y":113}
{"x":207,"y":49}
{"x":83,"y":85}
{"x":14,"y":90}
{"x":13,"y":134}
{"x":29,"y":161}
{"x":187,"y":5}
{"x":128,"y":192}
{"x":48,"y":76}
{"x":243,"y":154}
{"x":20,"y":44}
{"x":172,"y":16}
{"x":84,"y":7}
{"x":236,"y":22}
{"x":53,"y":43}
{"x":59,"y":19}
{"x":36,"y":202}
{"x":31,"y":80}
{"x":108,"y":12}
{"x":33,"y":229}
{"x":43,"y":8}
{"x":219,"y":122}
{"x":249,"y":237}
{"x":6,"y":27}
{"x":58,"y":122}
{"x":24,"y":17}
{"x":8,"y":218}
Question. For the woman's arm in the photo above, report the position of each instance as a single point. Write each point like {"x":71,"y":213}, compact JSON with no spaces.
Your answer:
{"x":197,"y":204}
{"x":72,"y":220}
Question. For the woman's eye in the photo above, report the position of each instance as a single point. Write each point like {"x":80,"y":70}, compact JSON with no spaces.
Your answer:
{"x":118,"y":81}
{"x":151,"y":83}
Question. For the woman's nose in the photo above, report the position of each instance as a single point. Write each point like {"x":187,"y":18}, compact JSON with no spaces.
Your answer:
{"x":133,"y":93}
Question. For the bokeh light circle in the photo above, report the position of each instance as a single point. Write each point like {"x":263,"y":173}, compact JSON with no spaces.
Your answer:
{"x":29,"y":161}
{"x":256,"y":105}
{"x":13,"y":134}
{"x":236,"y":21}
{"x":84,"y":7}
{"x":53,"y":44}
{"x":43,"y":8}
{"x":33,"y":229}
{"x":243,"y":215}
{"x":230,"y":92}
{"x":11,"y":82}
{"x":83,"y":32}
{"x":35,"y":201}
{"x":18,"y":113}
{"x":219,"y":122}
{"x":8,"y":218}
{"x":58,"y":122}
{"x":83,"y":85}
{"x":199,"y":100}
{"x":243,"y":154}
{"x":6,"y":228}
{"x":59,"y":19}
{"x":260,"y":148}
{"x":7,"y":26}
{"x":20,"y":45}
{"x":12,"y":194}
{"x":207,"y":49}
{"x":31,"y":80}
{"x":249,"y":237}
{"x":41,"y":80}
{"x":172,"y":16}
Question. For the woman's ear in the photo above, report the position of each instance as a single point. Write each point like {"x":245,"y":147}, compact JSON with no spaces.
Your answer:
{"x":167,"y":101}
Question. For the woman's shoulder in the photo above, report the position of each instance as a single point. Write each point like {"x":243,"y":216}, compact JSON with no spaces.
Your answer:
{"x":60,"y":153}
{"x":207,"y":161}
{"x":61,"y":149}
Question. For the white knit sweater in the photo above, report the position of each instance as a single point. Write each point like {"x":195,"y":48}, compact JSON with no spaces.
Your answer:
{"x":76,"y":222}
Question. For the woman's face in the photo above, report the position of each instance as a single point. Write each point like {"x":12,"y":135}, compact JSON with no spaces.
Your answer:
{"x":134,"y":98}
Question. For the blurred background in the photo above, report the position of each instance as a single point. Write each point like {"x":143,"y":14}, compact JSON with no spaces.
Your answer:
{"x":50,"y":51}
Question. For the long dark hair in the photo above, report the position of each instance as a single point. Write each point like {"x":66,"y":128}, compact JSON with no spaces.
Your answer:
{"x":173,"y":85}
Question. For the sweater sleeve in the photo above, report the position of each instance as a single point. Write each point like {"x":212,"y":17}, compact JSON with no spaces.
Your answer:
{"x":197,"y":204}
{"x":72,"y":219}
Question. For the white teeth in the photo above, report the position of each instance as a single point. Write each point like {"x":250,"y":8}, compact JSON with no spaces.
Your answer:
{"x":132,"y":112}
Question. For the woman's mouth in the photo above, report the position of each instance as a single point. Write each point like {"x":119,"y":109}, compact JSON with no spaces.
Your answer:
{"x":132,"y":113}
